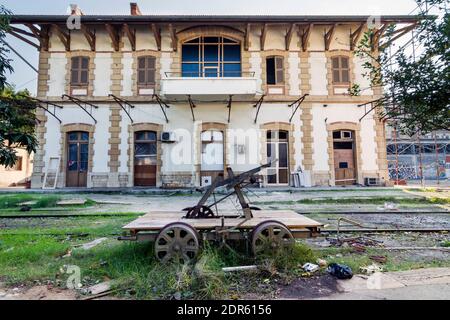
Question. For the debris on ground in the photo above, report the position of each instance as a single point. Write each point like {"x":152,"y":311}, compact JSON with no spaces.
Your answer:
{"x":28,"y":203}
{"x":310,"y":267}
{"x":240,"y":268}
{"x":71,"y":202}
{"x":359,"y":243}
{"x":379,"y":259}
{"x":388,"y":206}
{"x":371,"y":269}
{"x":357,"y":247}
{"x":68,"y":254}
{"x":92,"y":244}
{"x":340,"y":271}
{"x":321,"y":262}
{"x":99,"y":288}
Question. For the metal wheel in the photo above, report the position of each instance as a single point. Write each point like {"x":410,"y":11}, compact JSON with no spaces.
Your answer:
{"x":202,"y":212}
{"x":177,"y":242}
{"x":271,"y":236}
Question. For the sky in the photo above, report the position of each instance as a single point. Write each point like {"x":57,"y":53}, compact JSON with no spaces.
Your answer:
{"x":24,"y":77}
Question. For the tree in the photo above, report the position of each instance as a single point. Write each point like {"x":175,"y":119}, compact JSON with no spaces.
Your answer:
{"x":416,"y":94}
{"x":17,"y":109}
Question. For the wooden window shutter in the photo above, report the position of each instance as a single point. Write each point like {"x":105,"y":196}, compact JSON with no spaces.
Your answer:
{"x":279,"y":70}
{"x":146,"y":70}
{"x":340,"y":70}
{"x":345,"y":76}
{"x":335,"y":68}
{"x":151,"y":70}
{"x":79,"y":71}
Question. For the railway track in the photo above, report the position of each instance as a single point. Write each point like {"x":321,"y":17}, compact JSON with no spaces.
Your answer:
{"x":374,"y":212}
{"x":80,"y":215}
{"x":76,"y":215}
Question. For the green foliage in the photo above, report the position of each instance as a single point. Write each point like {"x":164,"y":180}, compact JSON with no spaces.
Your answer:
{"x":17,"y":124}
{"x":416,"y":86}
{"x":17,"y":110}
{"x":5,"y":63}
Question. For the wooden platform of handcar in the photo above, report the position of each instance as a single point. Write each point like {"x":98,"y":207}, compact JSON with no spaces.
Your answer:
{"x":156,"y":220}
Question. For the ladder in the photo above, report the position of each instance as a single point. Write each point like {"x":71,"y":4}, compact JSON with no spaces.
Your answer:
{"x":51,"y":173}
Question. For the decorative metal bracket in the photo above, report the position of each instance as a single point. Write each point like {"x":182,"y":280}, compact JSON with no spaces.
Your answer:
{"x":298,"y":102}
{"x":230,"y":100}
{"x":192,"y":106}
{"x":48,"y":103}
{"x":258,"y":106}
{"x":162,"y":104}
{"x":123,"y":104}
{"x":373,"y":107}
{"x":79,"y":103}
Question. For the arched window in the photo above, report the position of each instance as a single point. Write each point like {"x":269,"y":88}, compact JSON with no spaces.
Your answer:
{"x":341,"y":70}
{"x":211,"y":57}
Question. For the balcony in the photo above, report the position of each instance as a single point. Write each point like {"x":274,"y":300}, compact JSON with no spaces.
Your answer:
{"x":208,"y":87}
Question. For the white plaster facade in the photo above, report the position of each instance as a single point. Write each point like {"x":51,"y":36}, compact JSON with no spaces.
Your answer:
{"x":309,"y":123}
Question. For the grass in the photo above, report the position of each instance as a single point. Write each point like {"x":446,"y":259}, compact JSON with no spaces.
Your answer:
{"x":34,"y":253}
{"x":13,"y":201}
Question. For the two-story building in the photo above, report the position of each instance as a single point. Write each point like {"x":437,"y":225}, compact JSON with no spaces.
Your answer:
{"x":171,"y":101}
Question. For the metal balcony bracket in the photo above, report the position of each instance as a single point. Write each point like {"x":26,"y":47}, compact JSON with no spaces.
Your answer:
{"x":82,"y":104}
{"x":46,"y":108}
{"x":258,"y":106}
{"x":230,"y":100}
{"x":192,"y":106}
{"x":162,"y":104}
{"x":125,"y":105}
{"x":297,"y":104}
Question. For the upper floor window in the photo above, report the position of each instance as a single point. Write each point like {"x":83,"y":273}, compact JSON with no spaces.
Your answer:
{"x":79,"y":71}
{"x":274,"y":70}
{"x":211,"y":57}
{"x":146,"y":71}
{"x":341,"y":70}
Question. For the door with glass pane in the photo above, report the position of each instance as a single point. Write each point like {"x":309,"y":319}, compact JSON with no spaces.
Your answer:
{"x":277,"y":149}
{"x":77,"y":158}
{"x":145,"y":158}
{"x":212,"y":156}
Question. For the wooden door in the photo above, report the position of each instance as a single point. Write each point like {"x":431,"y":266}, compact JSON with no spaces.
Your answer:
{"x":77,"y":158}
{"x":344,"y":158}
{"x":145,"y":158}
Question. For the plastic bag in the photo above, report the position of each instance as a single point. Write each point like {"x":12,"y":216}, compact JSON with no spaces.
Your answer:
{"x":340,"y":271}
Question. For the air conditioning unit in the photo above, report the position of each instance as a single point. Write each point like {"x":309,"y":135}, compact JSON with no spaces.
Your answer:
{"x":206,"y":181}
{"x":371,"y":181}
{"x":167,"y":136}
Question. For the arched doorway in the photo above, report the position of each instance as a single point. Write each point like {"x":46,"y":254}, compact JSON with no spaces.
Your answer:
{"x":212,"y":155}
{"x":344,"y":157}
{"x":277,"y":149}
{"x":77,"y":158}
{"x":145,"y":158}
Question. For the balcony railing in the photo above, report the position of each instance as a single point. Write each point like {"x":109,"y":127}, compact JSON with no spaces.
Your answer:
{"x":209,"y":84}
{"x":210,"y":74}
